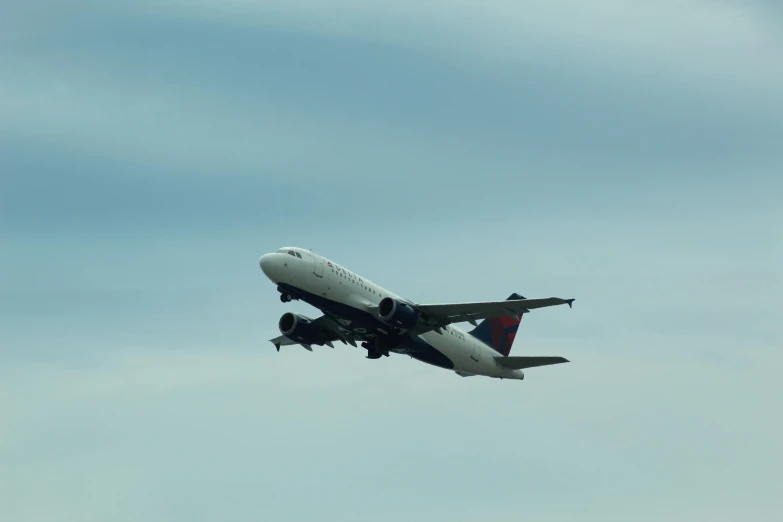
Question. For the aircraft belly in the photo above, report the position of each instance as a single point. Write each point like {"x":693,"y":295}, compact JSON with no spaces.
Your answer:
{"x":348,"y":307}
{"x":454,"y":350}
{"x":460,"y":353}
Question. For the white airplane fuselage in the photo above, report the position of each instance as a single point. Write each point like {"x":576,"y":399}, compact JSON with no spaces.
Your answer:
{"x":350,"y":298}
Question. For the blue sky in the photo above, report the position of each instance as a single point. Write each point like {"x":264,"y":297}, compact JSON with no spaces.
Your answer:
{"x":625,"y":154}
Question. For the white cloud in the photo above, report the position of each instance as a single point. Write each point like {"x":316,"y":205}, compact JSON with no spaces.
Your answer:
{"x":714,"y":46}
{"x":268,"y":422}
{"x":142,"y":123}
{"x":95,"y":109}
{"x":674,"y":338}
{"x":100,"y":108}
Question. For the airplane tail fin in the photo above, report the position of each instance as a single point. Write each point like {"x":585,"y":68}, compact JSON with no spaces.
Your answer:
{"x":499,"y":332}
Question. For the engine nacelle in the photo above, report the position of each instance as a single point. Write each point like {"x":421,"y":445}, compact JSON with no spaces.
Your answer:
{"x":396,"y":313}
{"x":300,"y":329}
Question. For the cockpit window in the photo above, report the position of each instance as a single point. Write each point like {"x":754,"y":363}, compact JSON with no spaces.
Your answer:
{"x":291,"y":253}
{"x":298,"y":255}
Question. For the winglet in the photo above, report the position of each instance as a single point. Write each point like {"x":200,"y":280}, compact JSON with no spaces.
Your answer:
{"x":570,"y":302}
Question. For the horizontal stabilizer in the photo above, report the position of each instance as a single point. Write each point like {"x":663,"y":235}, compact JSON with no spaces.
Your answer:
{"x":519,"y":363}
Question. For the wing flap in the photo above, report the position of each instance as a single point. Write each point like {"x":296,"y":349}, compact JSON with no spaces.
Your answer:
{"x":522,"y":362}
{"x":330,"y":329}
{"x":282,"y":340}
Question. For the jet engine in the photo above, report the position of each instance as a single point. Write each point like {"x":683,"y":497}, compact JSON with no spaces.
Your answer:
{"x":300,"y":329}
{"x":397,"y":313}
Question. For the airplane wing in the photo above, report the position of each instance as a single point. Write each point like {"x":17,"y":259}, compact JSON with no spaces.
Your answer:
{"x":331,"y":332}
{"x":443,"y":314}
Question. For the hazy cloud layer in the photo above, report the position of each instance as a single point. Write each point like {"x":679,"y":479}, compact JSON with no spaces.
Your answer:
{"x":623,"y":154}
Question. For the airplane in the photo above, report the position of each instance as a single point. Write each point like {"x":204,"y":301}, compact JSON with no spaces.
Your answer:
{"x":357,"y":310}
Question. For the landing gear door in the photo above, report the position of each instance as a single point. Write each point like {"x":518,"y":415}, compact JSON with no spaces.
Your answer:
{"x":476,"y":355}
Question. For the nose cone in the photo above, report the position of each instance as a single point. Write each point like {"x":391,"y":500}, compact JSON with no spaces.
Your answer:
{"x":267,"y":264}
